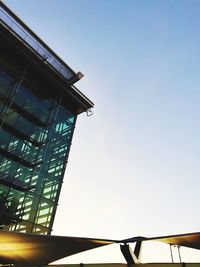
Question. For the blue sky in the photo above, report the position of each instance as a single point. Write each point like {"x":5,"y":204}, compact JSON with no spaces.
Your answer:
{"x":134,"y":165}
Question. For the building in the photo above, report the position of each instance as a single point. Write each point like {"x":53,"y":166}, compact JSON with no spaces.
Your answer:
{"x":39,"y":105}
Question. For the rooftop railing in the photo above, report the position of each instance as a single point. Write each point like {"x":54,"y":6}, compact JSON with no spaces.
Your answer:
{"x":8,"y":18}
{"x":35,"y":43}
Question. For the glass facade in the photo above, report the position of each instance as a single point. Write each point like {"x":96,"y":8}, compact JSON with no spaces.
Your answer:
{"x":35,"y":137}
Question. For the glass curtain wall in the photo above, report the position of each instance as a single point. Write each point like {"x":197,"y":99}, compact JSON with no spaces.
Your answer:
{"x":35,"y":138}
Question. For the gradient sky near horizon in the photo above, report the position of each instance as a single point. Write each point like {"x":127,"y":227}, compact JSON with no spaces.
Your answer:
{"x":134,"y":165}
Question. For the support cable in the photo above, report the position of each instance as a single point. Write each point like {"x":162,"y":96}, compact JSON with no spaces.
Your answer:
{"x":179,"y":253}
{"x":170,"y":245}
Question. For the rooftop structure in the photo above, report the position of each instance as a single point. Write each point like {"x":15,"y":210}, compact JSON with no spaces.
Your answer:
{"x":43,"y":249}
{"x":39,"y":105}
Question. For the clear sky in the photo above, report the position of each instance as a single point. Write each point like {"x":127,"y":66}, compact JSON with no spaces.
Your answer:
{"x":134,"y":165}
